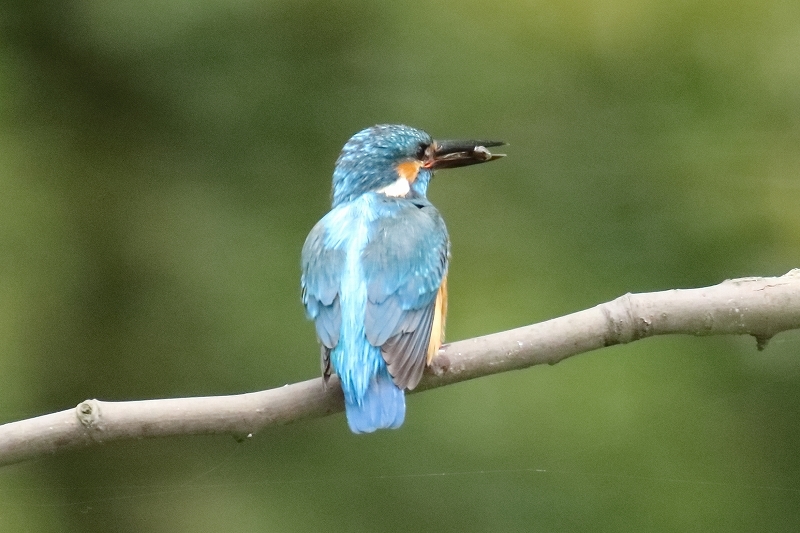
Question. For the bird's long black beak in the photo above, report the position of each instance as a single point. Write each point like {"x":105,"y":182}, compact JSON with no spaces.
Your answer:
{"x":451,"y":154}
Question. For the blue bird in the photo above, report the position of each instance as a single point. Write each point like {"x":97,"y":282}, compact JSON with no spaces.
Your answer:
{"x":374,"y":269}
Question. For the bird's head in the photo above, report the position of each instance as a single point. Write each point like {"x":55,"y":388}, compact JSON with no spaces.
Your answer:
{"x":399,"y":161}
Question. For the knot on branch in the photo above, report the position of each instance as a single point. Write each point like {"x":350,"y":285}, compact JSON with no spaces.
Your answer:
{"x":88,"y":413}
{"x":624,"y":322}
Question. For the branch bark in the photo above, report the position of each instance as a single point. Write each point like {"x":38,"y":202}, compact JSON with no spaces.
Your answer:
{"x":760,"y":307}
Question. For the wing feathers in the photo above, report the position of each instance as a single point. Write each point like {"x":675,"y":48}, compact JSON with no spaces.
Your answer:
{"x":381,"y":320}
{"x":328,"y":323}
{"x":405,"y":353}
{"x":405,"y":263}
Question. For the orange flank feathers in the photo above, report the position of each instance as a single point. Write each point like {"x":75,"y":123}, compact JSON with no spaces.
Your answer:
{"x":409,"y":170}
{"x":439,"y":318}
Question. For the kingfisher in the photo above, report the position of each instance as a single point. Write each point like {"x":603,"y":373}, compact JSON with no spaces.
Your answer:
{"x":374,"y":268}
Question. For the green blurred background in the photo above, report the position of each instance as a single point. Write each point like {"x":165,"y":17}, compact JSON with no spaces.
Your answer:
{"x":162,"y":162}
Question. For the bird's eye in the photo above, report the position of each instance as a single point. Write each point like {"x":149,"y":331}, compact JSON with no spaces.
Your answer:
{"x":422,"y":152}
{"x":426,"y":151}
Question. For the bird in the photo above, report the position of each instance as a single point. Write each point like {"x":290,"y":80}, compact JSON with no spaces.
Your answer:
{"x":374,"y":268}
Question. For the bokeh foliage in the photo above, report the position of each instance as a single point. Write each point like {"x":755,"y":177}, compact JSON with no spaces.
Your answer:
{"x":162,"y":162}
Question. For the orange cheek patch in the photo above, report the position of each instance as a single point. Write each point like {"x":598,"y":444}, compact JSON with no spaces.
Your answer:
{"x":409,"y":170}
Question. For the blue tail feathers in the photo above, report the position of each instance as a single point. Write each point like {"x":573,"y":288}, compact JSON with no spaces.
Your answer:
{"x":383,"y":406}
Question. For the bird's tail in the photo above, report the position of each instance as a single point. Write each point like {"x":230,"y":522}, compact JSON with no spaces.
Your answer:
{"x":383,"y":406}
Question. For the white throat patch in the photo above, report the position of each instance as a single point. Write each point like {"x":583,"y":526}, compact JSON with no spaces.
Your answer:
{"x":399,"y":188}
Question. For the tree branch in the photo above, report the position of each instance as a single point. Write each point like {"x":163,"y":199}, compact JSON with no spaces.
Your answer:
{"x":760,"y":307}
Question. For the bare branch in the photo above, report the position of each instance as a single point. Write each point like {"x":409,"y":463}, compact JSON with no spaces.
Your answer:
{"x":760,"y":307}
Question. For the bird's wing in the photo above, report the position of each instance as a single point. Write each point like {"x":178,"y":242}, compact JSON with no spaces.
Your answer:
{"x":405,"y":264}
{"x":321,"y":278}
